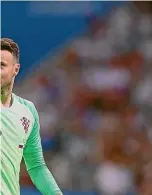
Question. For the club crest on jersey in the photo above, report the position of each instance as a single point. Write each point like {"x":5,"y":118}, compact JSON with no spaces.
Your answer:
{"x":25,"y":123}
{"x":21,"y":146}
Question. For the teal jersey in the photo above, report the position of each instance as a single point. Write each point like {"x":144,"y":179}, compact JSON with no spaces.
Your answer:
{"x":19,"y":137}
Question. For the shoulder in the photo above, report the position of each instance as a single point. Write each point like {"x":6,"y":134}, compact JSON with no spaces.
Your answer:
{"x":28,"y":104}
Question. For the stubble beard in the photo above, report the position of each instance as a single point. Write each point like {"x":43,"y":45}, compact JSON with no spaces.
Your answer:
{"x":5,"y":88}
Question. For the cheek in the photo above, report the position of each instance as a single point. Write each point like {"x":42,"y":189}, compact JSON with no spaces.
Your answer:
{"x":3,"y":72}
{"x":6,"y":74}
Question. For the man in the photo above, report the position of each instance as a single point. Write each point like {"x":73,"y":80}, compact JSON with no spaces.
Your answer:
{"x":19,"y":135}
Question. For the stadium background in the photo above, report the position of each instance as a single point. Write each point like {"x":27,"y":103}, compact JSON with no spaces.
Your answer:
{"x":45,"y":32}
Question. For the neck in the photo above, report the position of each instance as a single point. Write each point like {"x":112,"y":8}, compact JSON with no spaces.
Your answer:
{"x":6,"y":96}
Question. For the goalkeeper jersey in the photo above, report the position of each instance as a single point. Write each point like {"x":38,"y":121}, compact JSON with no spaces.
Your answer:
{"x":19,"y":137}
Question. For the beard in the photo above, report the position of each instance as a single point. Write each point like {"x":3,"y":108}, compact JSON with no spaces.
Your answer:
{"x":5,"y":87}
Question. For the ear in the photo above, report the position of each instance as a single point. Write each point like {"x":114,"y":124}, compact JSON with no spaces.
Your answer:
{"x":16,"y":69}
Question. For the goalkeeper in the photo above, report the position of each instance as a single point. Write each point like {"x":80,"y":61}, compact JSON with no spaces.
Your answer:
{"x":19,"y":132}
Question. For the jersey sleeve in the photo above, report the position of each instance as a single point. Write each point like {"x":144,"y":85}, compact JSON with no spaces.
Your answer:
{"x":36,"y":167}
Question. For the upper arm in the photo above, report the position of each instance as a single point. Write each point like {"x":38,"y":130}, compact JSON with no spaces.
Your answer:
{"x":33,"y":155}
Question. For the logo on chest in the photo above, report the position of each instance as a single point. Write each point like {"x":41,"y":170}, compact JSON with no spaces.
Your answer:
{"x":26,"y":124}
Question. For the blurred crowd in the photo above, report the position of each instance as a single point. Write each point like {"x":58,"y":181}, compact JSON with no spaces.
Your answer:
{"x":95,"y":107}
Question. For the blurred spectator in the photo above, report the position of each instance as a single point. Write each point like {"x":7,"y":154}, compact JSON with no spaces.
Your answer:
{"x":96,"y":106}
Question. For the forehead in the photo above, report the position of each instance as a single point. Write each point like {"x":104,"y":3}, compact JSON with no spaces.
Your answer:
{"x":6,"y":56}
